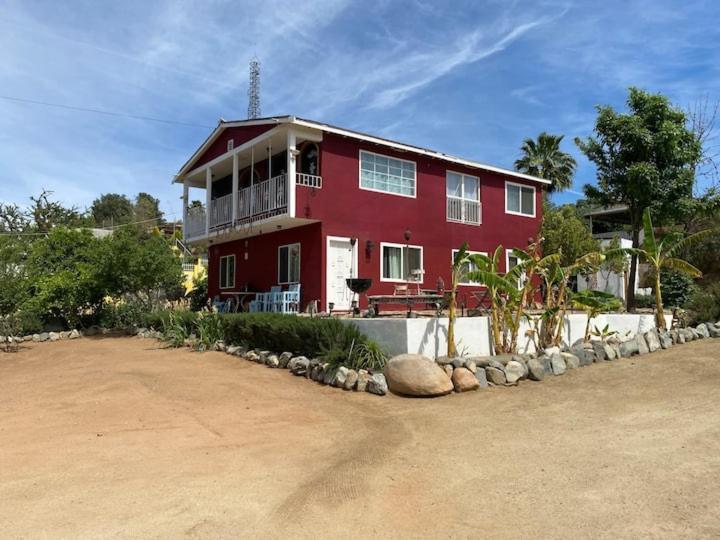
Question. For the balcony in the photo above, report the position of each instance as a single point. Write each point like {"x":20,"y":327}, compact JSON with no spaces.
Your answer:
{"x":464,"y":211}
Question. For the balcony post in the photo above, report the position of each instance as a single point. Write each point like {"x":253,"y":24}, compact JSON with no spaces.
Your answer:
{"x":208,"y":199}
{"x":235,"y":181}
{"x":290,"y":180}
{"x":186,"y":191}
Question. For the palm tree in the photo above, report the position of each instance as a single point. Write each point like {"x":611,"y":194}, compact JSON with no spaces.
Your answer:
{"x":544,"y":159}
{"x":660,"y":255}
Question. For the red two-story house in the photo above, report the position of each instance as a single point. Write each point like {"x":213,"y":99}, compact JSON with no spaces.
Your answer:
{"x":289,"y":200}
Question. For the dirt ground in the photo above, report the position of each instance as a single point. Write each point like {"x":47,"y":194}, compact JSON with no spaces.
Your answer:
{"x":118,"y":437}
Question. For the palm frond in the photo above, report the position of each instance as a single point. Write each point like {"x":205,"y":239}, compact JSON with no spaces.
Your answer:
{"x":681,"y":266}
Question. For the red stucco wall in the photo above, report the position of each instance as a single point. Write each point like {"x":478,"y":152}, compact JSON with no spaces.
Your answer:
{"x":239,"y":136}
{"x":348,"y":211}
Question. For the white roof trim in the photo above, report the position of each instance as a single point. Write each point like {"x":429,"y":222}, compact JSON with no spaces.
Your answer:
{"x":360,"y":136}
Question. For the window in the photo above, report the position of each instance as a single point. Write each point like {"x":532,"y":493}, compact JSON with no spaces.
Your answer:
{"x":400,"y":261}
{"x":511,"y":262}
{"x":227,"y":272}
{"x":230,"y":144}
{"x":309,"y":156}
{"x":386,"y":174}
{"x":463,"y":197}
{"x":468,"y":267}
{"x":289,"y":263}
{"x":519,"y":199}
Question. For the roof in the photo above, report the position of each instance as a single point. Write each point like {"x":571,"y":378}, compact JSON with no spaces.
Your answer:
{"x":294,"y":120}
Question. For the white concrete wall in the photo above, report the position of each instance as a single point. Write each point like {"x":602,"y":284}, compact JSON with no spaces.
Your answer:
{"x":428,"y":336}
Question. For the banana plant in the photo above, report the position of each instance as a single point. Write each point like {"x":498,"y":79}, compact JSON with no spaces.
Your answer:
{"x":594,"y":303}
{"x":661,"y":255}
{"x":460,"y":267}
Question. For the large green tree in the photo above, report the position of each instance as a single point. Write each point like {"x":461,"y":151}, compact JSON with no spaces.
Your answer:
{"x":645,"y":158}
{"x":112,"y":209}
{"x":544,"y":158}
{"x":147,"y":210}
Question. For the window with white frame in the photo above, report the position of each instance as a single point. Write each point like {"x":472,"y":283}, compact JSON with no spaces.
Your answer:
{"x":511,"y":262}
{"x":519,"y":199}
{"x":386,"y":174}
{"x":469,"y":266}
{"x":289,"y":263}
{"x":401,"y":263}
{"x":227,"y":272}
{"x":463,"y":197}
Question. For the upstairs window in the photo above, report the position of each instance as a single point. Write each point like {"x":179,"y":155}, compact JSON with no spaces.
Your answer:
{"x":463,"y":198}
{"x":401,"y":263}
{"x":227,"y":272}
{"x":387,"y":175}
{"x":289,"y":264}
{"x":519,"y":199}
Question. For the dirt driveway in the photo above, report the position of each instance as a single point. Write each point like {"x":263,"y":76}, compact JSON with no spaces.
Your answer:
{"x":120,"y":438}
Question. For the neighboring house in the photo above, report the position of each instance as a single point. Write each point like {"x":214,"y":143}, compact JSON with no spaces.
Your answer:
{"x":298,"y":201}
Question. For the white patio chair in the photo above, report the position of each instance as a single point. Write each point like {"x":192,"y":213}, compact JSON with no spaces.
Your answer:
{"x":290,"y":300}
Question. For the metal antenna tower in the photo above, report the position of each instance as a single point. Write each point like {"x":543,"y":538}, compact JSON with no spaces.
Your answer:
{"x":254,"y":90}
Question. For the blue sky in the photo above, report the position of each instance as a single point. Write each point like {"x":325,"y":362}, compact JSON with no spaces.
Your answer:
{"x":469,"y":78}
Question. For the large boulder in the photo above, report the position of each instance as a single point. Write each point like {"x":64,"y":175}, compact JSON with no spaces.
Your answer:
{"x":495,"y":376}
{"x":299,"y":365}
{"x":653,"y":340}
{"x":702,"y":330}
{"x":463,"y":380}
{"x":665,"y":340}
{"x":714,"y":330}
{"x":514,"y":371}
{"x":350,"y":379}
{"x":377,"y":384}
{"x":571,"y":361}
{"x":642,"y":344}
{"x":558,"y":364}
{"x":628,"y":348}
{"x":340,"y":377}
{"x":481,"y":377}
{"x":536,"y":369}
{"x":362,"y":381}
{"x":417,"y":375}
{"x":599,"y":348}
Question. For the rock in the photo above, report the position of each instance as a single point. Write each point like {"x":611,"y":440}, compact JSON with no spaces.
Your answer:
{"x":665,"y":340}
{"x":44,"y":337}
{"x":54,"y":336}
{"x":610,"y":353}
{"x":445,"y":360}
{"x":272,"y":361}
{"x":503,"y":358}
{"x":316,"y":373}
{"x":536,"y":370}
{"x":480,"y":361}
{"x":377,"y":384}
{"x":642,"y":344}
{"x":714,"y":331}
{"x":481,"y":378}
{"x":495,"y":376}
{"x":514,"y":371}
{"x":653,"y":340}
{"x":328,"y":374}
{"x":599,"y":349}
{"x":463,"y":380}
{"x":545,"y":363}
{"x":312,"y":365}
{"x":558,"y":364}
{"x":300,"y":365}
{"x":350,"y":379}
{"x":471,"y":366}
{"x":702,"y":330}
{"x":551,"y":350}
{"x":522,"y":360}
{"x":571,"y":361}
{"x":233,"y":350}
{"x":417,"y":375}
{"x":263,"y":356}
{"x":340,"y":377}
{"x":35,"y":337}
{"x":363,"y":378}
{"x":681,"y":337}
{"x":448,"y":370}
{"x":251,"y":356}
{"x":458,"y":362}
{"x":496,"y":365}
{"x":628,"y":348}
{"x":283,"y":359}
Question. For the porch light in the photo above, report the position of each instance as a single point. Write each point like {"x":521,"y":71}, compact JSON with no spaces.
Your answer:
{"x":408,"y":235}
{"x":369,"y":246}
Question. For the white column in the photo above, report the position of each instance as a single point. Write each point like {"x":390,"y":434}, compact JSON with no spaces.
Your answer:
{"x":186,"y":192}
{"x":235,"y":181}
{"x":208,"y":199}
{"x":290,"y":182}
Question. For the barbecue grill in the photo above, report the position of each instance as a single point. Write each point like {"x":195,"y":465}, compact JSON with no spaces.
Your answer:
{"x":357,"y":286}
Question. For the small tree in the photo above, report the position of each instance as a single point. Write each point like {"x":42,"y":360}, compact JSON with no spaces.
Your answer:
{"x":594,"y":303}
{"x":661,"y":255}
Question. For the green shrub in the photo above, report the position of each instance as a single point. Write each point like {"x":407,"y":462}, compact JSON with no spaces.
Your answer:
{"x":122,"y":314}
{"x":199,"y":295}
{"x":158,"y":319}
{"x":175,"y":331}
{"x":704,"y":304}
{"x":676,"y":288}
{"x":210,"y":329}
{"x":644,"y":301}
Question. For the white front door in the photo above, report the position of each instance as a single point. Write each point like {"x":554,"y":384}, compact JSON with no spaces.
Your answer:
{"x":341,"y":264}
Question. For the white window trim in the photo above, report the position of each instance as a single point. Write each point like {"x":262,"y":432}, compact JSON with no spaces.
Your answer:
{"x":523,"y":277}
{"x":462,"y":175}
{"x":360,"y":153}
{"x":463,"y":198}
{"x":288,"y":269}
{"x":227,"y":257}
{"x":452,"y":261}
{"x":509,"y":183}
{"x":383,"y":245}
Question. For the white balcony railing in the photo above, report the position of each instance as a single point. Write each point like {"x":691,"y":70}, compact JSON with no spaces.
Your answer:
{"x":309,"y":180}
{"x":267,"y":197}
{"x":195,"y":224}
{"x":220,"y":211}
{"x":464,"y":211}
